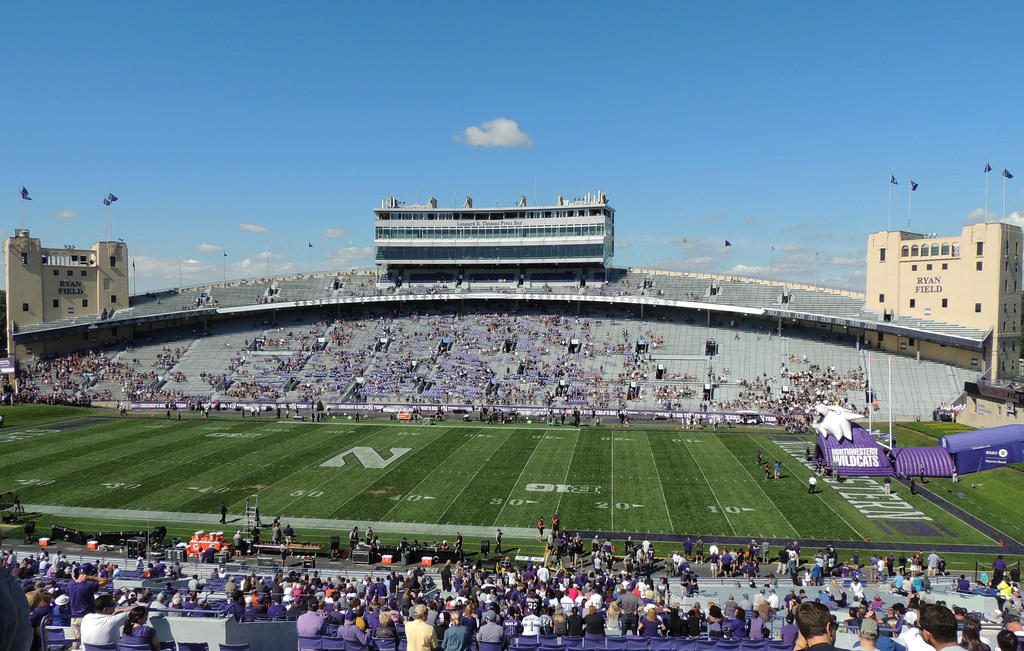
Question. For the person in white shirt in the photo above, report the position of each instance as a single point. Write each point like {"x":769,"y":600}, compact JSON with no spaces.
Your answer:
{"x":104,"y":626}
{"x":531,"y":625}
{"x":911,"y":635}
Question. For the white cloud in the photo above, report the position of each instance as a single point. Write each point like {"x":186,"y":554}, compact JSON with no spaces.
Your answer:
{"x":348,"y":256}
{"x":791,"y":248}
{"x":209,"y":248}
{"x":334,"y":233}
{"x":750,"y":219}
{"x":623,"y":244}
{"x":501,"y":132}
{"x":263,"y":255}
{"x":253,"y":228}
{"x":977,"y":215}
{"x":67,"y":213}
{"x":714,"y":218}
{"x":748,"y":270}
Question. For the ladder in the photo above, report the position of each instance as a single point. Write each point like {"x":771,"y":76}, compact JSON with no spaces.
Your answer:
{"x":252,"y":512}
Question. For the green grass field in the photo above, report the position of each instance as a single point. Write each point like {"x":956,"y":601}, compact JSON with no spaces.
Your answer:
{"x":604,"y":479}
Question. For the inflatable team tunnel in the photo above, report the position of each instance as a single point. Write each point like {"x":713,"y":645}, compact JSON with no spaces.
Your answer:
{"x":985,"y":449}
{"x":851,"y":451}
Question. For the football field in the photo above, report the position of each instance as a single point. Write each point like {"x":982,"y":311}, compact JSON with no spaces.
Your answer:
{"x":657,"y":480}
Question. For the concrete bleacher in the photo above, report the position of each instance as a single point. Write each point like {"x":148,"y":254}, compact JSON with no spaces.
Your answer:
{"x":292,"y":367}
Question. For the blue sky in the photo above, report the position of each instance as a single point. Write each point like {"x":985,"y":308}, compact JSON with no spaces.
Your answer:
{"x":231,"y":126}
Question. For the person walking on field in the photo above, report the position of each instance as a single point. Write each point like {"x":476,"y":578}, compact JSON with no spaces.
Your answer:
{"x":540,"y":529}
{"x":812,"y":484}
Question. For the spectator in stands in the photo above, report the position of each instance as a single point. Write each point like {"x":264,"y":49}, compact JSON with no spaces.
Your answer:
{"x":630,"y":604}
{"x":867,"y":635}
{"x":352,"y":633}
{"x":1007,"y":641}
{"x":419,"y":635}
{"x":788,"y":632}
{"x":460,"y":638}
{"x":136,"y":632}
{"x":817,"y":629}
{"x":491,"y":631}
{"x":613,"y":623}
{"x":651,"y":626}
{"x":310,"y":623}
{"x":910,"y":636}
{"x":82,"y":592}
{"x":971,"y":637}
{"x":104,"y":625}
{"x":938,"y":626}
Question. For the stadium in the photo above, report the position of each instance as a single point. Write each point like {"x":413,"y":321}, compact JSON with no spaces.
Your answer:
{"x":495,"y":368}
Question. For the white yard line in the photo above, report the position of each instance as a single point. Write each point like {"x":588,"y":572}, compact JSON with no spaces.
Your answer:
{"x":758,"y":484}
{"x":720,"y":508}
{"x":480,"y":467}
{"x":568,"y":465}
{"x":512,"y":490}
{"x":661,"y":487}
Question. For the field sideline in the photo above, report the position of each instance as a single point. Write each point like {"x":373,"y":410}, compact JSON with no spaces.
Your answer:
{"x":661,"y":481}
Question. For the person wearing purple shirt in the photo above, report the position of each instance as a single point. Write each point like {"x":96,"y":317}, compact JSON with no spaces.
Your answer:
{"x":738,"y":625}
{"x":276,"y":609}
{"x":687,"y":548}
{"x":726,"y":563}
{"x":310,"y":624}
{"x":136,"y":632}
{"x":82,"y":593}
{"x":789,"y":631}
{"x":351,"y":633}
{"x":998,"y":569}
{"x":236,"y":608}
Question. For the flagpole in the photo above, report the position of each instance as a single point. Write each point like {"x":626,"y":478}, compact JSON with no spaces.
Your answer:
{"x":988,"y":168}
{"x":1004,"y":195}
{"x":890,"y":402}
{"x":771,"y":251}
{"x":871,"y":393}
{"x":889,"y":226}
{"x":910,"y":202}
{"x":224,"y":265}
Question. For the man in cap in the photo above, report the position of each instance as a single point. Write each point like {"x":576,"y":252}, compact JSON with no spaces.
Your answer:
{"x":868,"y":634}
{"x":419,"y":635}
{"x":351,"y":632}
{"x":910,"y":636}
{"x":491,"y":631}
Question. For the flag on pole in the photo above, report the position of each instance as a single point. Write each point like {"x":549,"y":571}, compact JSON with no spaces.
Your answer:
{"x":1007,"y":174}
{"x":24,"y":194}
{"x":728,"y":243}
{"x":225,"y":253}
{"x":111,"y":198}
{"x":133,"y":265}
{"x":311,"y":245}
{"x":106,"y":202}
{"x":892,"y":179}
{"x":913,"y":186}
{"x":988,"y":168}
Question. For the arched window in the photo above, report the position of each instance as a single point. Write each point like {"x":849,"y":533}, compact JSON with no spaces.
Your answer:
{"x":913,"y":251}
{"x":935,"y":249}
{"x":924,"y":249}
{"x":905,"y":251}
{"x":945,"y":249}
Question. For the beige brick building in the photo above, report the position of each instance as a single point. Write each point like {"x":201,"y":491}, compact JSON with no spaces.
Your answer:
{"x":45,"y":284}
{"x":973,"y":279}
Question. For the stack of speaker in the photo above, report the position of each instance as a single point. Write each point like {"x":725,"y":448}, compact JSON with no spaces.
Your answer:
{"x":69,"y":535}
